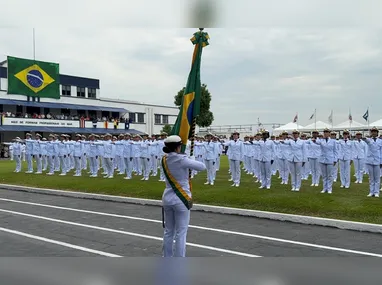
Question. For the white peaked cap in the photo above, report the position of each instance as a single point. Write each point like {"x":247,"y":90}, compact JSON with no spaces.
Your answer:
{"x":173,"y":139}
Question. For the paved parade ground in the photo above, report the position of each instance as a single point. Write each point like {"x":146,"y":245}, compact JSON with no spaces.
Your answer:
{"x":34,"y":225}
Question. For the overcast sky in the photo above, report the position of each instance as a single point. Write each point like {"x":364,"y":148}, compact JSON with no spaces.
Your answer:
{"x":270,"y":72}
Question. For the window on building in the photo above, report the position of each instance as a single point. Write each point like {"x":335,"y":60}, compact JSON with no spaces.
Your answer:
{"x":66,"y":90}
{"x":92,"y":114}
{"x":115,"y":115}
{"x":132,"y":117}
{"x":81,"y":92}
{"x":19,"y":109}
{"x":92,"y":93}
{"x":65,"y":112}
{"x":157,"y":119}
{"x":165,"y":119}
{"x":141,"y":117}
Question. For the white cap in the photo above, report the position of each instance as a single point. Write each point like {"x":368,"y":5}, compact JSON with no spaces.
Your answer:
{"x":173,"y":139}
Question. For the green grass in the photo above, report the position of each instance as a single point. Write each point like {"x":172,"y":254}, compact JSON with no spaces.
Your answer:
{"x":346,"y":204}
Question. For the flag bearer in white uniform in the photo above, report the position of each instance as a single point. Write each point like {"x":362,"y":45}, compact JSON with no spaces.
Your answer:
{"x":236,"y":156}
{"x":29,"y":143}
{"x":328,"y":160}
{"x":297,"y":159}
{"x":267,"y":156}
{"x":314,"y":153}
{"x":374,"y":162}
{"x":359,"y":155}
{"x":345,"y":159}
{"x":211,"y":153}
{"x":177,"y":197}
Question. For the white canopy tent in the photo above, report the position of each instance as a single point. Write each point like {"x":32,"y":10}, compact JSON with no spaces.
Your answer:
{"x":350,"y":126}
{"x":377,"y":124}
{"x":288,"y":127}
{"x":319,"y":126}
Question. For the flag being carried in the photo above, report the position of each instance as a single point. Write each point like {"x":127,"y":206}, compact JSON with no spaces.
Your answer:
{"x":295,"y":118}
{"x":190,"y":108}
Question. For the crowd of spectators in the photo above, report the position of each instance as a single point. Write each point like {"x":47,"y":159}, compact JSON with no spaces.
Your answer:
{"x":62,"y":117}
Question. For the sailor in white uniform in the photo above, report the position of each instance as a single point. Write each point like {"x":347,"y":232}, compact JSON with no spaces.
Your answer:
{"x":211,"y":154}
{"x":345,"y":156}
{"x":236,"y":156}
{"x":29,"y":143}
{"x":328,"y":160}
{"x":359,"y":155}
{"x":374,"y":162}
{"x":267,"y":154}
{"x":297,"y":159}
{"x":314,"y":153}
{"x":175,"y":204}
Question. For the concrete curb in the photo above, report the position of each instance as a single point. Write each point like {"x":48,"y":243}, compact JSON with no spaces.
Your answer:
{"x":308,"y":220}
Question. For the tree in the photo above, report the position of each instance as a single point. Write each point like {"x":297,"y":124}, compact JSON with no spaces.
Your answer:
{"x":206,"y":117}
{"x":166,"y":128}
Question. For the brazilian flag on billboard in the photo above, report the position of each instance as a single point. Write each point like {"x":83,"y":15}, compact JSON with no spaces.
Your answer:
{"x":33,"y":78}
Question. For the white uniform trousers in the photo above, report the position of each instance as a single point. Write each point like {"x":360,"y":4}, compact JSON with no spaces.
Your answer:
{"x":93,"y":165}
{"x":274,"y":167}
{"x":57,"y":163}
{"x":256,"y":168}
{"x":51,"y":165}
{"x":44,"y":162}
{"x":284,"y":170}
{"x":154,"y":165}
{"x":71,"y":163}
{"x":64,"y":167}
{"x":78,"y":164}
{"x":265,"y":173}
{"x":177,"y":219}
{"x":109,"y":167}
{"x":315,"y":169}
{"x":210,"y":165}
{"x":137,"y":165}
{"x":30,"y":162}
{"x":359,"y":165}
{"x":295,"y":174}
{"x":218,"y":164}
{"x":103,"y":165}
{"x":335,"y":172}
{"x":39,"y":163}
{"x":245,"y":162}
{"x":17,"y":158}
{"x":145,"y":162}
{"x":128,"y":166}
{"x":345,"y":172}
{"x":374,"y":178}
{"x":23,"y":156}
{"x":84,"y":162}
{"x":11,"y":155}
{"x":121,"y":164}
{"x":235,"y":170}
{"x":327,"y":176}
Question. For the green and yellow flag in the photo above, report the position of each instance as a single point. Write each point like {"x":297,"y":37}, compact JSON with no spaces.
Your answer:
{"x":190,"y":107}
{"x":33,"y":78}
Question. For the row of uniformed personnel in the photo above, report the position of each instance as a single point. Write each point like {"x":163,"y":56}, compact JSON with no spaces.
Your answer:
{"x":298,"y":156}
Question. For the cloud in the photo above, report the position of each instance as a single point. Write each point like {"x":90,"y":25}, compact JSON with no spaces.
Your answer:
{"x":268,"y":71}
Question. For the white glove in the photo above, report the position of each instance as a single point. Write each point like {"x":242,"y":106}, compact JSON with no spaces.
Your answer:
{"x":192,"y":157}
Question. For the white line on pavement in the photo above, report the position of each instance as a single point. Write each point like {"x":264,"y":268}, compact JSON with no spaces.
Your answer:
{"x":127,"y":233}
{"x":59,"y":243}
{"x":201,"y":228}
